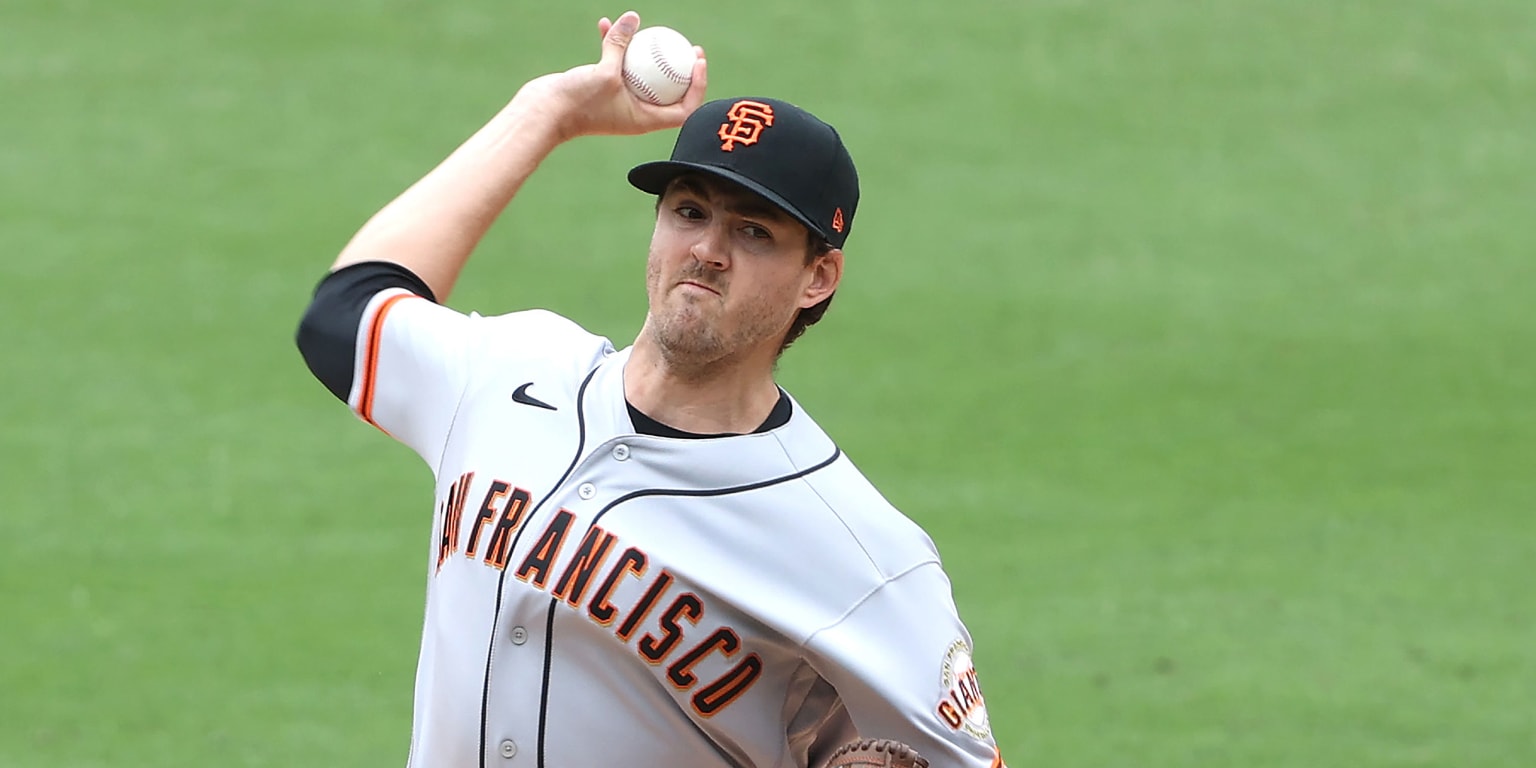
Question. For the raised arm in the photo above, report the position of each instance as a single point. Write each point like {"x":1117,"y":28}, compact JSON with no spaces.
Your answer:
{"x":432,"y":227}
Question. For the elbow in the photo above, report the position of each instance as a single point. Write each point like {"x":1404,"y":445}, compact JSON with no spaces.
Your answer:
{"x":328,"y":349}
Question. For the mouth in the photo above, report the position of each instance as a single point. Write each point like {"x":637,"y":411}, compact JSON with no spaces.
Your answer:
{"x":699,"y":286}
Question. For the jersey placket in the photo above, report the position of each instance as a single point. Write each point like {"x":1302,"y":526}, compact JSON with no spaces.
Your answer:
{"x":517,"y":681}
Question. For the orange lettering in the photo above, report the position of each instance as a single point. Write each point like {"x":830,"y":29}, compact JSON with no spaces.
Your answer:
{"x":949,"y":715}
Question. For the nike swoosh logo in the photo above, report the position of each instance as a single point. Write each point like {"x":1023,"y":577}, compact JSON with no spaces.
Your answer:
{"x":520,"y":395}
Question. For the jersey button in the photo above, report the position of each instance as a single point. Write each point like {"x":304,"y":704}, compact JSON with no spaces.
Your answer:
{"x":508,"y":749}
{"x":621,"y":452}
{"x":519,"y":635}
{"x":586,"y":491}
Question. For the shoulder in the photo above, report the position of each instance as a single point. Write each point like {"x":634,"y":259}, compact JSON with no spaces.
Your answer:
{"x":535,"y":328}
{"x":537,"y":335}
{"x":852,"y":544}
{"x":854,"y":511}
{"x":892,"y":542}
{"x":535,"y":347}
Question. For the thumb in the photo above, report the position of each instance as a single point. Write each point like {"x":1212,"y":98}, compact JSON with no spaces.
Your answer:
{"x":617,"y":39}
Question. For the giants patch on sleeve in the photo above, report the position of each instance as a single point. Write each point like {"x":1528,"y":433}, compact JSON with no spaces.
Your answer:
{"x":962,"y":707}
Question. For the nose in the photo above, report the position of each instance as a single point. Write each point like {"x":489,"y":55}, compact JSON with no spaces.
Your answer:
{"x":712,"y":248}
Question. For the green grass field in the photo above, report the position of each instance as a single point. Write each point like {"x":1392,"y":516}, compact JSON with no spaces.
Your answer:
{"x":1199,"y":335}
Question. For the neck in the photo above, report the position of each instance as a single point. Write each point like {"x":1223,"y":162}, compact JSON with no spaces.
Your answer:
{"x":721,"y":396}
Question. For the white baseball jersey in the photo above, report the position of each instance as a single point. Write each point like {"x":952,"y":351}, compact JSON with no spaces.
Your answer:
{"x":597,"y":596}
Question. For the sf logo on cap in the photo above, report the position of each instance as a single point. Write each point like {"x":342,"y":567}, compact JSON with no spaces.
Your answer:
{"x":744,"y":124}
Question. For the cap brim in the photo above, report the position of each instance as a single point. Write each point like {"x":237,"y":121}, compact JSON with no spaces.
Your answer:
{"x":654,"y":178}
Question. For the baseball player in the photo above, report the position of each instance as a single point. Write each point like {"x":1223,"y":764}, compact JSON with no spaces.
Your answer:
{"x":651,"y":554}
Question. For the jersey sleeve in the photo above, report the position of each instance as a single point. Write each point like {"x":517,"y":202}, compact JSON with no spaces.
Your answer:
{"x":901,"y":663}
{"x":376,"y":338}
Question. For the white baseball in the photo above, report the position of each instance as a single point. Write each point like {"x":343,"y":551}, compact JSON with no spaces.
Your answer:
{"x":658,"y":65}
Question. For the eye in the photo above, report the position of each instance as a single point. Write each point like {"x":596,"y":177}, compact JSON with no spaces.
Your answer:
{"x":756,"y":232}
{"x":689,"y":212}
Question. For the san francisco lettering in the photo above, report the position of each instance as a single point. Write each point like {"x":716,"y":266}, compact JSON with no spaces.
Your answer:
{"x":596,"y":571}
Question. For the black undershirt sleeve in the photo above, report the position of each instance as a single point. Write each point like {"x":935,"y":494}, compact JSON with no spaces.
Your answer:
{"x":327,"y":335}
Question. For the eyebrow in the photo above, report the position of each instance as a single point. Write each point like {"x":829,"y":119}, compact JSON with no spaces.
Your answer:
{"x":740,"y":204}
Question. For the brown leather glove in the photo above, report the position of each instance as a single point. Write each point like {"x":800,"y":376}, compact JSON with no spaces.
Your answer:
{"x":876,"y":753}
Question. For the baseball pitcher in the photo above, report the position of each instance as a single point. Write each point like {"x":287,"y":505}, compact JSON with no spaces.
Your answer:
{"x":650,"y":555}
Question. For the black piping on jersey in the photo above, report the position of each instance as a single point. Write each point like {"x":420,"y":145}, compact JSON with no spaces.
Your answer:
{"x":837,"y":453}
{"x":549,"y":633}
{"x":549,"y":658}
{"x":501,"y":581}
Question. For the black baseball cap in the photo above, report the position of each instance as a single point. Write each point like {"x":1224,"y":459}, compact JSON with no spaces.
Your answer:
{"x":773,"y":148}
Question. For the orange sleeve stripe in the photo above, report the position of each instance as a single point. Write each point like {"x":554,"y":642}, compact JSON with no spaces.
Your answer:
{"x":371,"y":358}
{"x":997,"y":762}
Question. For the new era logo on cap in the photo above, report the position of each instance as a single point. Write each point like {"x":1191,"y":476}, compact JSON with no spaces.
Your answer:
{"x":773,"y":148}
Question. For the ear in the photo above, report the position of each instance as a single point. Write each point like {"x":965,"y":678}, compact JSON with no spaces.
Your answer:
{"x":826,"y":274}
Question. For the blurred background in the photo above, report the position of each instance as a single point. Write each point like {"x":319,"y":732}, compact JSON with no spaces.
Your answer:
{"x":1199,"y":336}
